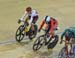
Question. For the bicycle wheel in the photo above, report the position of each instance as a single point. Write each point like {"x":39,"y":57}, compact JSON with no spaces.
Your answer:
{"x":53,"y":41}
{"x":62,"y":53}
{"x":38,"y":43}
{"x":20,"y":33}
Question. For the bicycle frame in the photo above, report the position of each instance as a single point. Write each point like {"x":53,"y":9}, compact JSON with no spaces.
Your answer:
{"x":26,"y":26}
{"x":46,"y":36}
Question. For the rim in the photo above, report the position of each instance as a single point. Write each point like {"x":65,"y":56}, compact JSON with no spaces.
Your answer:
{"x":19,"y":34}
{"x":38,"y":43}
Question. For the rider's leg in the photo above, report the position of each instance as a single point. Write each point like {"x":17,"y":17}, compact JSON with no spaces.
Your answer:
{"x":47,"y":28}
{"x":67,"y":39}
{"x":70,"y":36}
{"x":66,"y":45}
{"x":71,"y":45}
{"x":66,"y":49}
{"x":32,"y":27}
{"x":35,"y":18}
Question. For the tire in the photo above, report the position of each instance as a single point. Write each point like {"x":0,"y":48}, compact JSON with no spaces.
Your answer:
{"x":19,"y":36}
{"x":62,"y":54}
{"x":33,"y":33}
{"x":52,"y":44}
{"x":38,"y":43}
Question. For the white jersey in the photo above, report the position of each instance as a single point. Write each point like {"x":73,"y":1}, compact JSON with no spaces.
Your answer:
{"x":33,"y":13}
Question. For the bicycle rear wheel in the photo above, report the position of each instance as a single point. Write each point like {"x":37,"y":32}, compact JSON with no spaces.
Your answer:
{"x":33,"y":33}
{"x":53,"y":41}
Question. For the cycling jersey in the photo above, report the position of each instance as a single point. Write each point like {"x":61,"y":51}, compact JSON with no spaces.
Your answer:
{"x":69,"y":33}
{"x":51,"y":23}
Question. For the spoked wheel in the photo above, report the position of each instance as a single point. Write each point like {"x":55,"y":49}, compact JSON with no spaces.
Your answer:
{"x":38,"y":43}
{"x":20,"y":33}
{"x":53,"y":41}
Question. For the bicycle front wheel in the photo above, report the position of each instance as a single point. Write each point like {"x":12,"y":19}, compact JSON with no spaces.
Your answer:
{"x":38,"y":43}
{"x":19,"y":34}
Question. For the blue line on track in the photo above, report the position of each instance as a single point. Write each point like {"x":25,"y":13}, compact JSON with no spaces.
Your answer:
{"x":7,"y":42}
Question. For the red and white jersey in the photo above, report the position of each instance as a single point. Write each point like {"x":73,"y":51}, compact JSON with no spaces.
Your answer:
{"x":50,"y":21}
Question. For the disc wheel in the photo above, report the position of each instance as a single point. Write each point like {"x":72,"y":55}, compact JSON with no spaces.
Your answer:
{"x":33,"y":33}
{"x":53,"y":42}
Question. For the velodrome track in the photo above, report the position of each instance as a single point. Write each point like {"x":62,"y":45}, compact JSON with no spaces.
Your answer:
{"x":6,"y":44}
{"x":12,"y":10}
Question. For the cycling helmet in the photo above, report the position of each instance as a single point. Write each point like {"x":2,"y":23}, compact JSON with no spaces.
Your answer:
{"x":28,"y":9}
{"x":47,"y":19}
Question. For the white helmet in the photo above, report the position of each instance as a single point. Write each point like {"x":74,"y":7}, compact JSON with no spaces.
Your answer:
{"x":47,"y":19}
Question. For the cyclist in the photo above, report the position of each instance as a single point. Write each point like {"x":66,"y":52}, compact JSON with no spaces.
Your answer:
{"x":69,"y":35}
{"x":31,"y":16}
{"x":51,"y":24}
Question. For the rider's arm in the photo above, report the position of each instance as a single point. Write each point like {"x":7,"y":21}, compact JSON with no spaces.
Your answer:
{"x":42,"y":24}
{"x":63,"y":34}
{"x":23,"y":16}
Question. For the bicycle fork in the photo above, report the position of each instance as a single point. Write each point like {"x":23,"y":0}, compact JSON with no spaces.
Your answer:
{"x":47,"y":41}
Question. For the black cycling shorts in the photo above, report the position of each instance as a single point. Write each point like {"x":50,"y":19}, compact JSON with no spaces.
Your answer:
{"x":35,"y":18}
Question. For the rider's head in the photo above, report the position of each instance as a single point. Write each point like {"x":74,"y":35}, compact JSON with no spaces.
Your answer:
{"x":28,"y":9}
{"x":47,"y":19}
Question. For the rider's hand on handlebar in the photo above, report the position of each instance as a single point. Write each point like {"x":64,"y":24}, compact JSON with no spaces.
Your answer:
{"x":19,"y":21}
